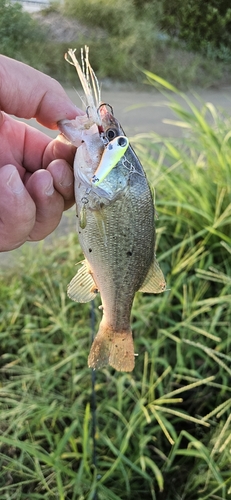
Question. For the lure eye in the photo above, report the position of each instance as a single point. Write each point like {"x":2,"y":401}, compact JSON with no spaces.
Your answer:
{"x":122,"y":141}
{"x":111,"y":134}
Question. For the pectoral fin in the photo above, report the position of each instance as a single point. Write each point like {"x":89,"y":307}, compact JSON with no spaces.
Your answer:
{"x":82,"y":287}
{"x":154,"y":281}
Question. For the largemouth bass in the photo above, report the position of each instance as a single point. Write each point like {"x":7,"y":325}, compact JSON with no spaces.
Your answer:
{"x":115,"y":224}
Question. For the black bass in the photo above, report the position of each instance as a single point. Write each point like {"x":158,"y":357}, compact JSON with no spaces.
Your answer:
{"x":115,"y":224}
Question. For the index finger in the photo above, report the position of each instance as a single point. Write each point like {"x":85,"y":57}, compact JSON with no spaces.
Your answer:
{"x":27,"y":93}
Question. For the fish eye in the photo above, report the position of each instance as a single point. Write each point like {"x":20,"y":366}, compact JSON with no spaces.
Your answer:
{"x":111,"y":134}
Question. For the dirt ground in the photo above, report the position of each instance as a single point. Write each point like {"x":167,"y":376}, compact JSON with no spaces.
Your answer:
{"x":138,"y":112}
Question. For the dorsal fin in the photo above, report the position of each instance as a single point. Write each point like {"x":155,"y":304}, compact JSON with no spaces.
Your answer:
{"x":82,"y":287}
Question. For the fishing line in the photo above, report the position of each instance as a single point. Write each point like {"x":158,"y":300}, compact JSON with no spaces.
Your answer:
{"x":93,"y":397}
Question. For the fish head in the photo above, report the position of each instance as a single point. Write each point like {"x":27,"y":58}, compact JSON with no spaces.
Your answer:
{"x":83,"y":127}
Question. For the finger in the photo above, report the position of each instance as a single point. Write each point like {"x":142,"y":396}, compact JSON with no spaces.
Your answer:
{"x":22,"y":145}
{"x":17,"y":210}
{"x":35,"y":149}
{"x":49,"y":204}
{"x":59,"y":148}
{"x":28,"y":93}
{"x":63,"y":180}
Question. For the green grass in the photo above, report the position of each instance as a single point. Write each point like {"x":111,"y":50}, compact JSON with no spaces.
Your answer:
{"x":162,"y":432}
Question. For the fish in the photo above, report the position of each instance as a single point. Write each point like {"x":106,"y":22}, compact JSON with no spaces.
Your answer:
{"x":115,"y":223}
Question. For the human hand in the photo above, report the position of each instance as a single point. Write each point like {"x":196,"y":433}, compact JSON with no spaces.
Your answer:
{"x":36,"y":179}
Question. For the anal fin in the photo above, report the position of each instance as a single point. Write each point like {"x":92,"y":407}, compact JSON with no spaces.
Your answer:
{"x":154,"y":281}
{"x":82,"y":287}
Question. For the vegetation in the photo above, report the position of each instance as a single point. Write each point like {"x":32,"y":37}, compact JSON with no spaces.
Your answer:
{"x":152,"y":35}
{"x":196,"y":22}
{"x":149,"y":34}
{"x":204,"y":26}
{"x":164,"y":431}
{"x":18,"y":32}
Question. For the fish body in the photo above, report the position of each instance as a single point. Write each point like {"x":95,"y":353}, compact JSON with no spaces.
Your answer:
{"x":116,"y":230}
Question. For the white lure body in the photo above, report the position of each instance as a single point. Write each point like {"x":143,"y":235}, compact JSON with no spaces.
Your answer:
{"x":112,"y":154}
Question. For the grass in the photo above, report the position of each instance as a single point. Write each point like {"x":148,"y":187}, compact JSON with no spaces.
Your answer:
{"x":162,"y":432}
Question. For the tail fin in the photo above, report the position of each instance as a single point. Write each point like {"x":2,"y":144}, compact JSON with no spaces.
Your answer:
{"x":112,"y":348}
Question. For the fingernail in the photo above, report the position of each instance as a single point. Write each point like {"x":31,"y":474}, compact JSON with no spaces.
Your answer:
{"x":50,"y":189}
{"x":15,"y":182}
{"x":67,"y":179}
{"x":65,"y":183}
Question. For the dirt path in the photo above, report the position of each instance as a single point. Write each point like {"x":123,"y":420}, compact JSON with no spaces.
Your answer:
{"x":138,"y":112}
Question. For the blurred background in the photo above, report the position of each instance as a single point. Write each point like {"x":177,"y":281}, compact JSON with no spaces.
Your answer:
{"x":188,"y":43}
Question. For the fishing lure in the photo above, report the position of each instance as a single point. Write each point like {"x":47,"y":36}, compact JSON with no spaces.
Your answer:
{"x":112,"y":154}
